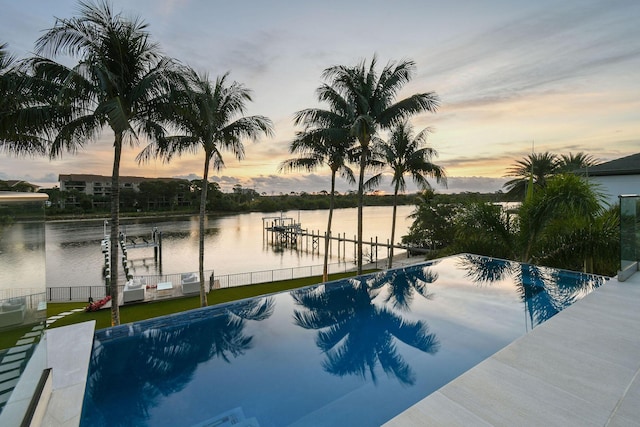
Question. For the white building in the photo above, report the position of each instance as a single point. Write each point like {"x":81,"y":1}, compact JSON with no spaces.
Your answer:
{"x":617,"y":177}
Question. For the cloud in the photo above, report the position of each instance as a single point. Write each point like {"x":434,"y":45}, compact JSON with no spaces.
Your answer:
{"x":535,"y":52}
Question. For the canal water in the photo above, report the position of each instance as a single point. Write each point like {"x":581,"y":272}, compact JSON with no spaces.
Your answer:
{"x":233,"y":243}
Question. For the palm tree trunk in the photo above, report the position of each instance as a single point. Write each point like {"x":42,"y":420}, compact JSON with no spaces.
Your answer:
{"x":363,"y":164}
{"x":393,"y":225}
{"x":325,"y":269}
{"x":203,"y":212}
{"x":115,"y":230}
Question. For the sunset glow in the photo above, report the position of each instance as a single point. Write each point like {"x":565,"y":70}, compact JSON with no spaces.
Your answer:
{"x":512,"y":77}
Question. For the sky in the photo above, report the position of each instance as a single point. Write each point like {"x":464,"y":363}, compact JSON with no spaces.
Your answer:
{"x":513,"y":77}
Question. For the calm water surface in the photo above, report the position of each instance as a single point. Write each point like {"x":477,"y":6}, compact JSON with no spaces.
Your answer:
{"x":233,"y":243}
{"x":355,"y":352}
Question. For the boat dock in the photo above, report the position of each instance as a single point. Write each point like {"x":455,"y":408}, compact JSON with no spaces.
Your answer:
{"x":286,"y":232}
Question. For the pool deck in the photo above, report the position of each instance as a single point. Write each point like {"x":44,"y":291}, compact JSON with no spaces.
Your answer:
{"x":579,"y":368}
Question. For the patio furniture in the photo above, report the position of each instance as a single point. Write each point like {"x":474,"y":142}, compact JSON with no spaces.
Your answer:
{"x":12,"y":312}
{"x":190,"y":283}
{"x":133,"y":291}
{"x":164,"y":288}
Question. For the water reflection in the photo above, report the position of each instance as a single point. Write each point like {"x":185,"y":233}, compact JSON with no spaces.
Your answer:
{"x":160,"y":360}
{"x":402,"y":289}
{"x":233,"y":243}
{"x":356,"y":335}
{"x":543,"y":291}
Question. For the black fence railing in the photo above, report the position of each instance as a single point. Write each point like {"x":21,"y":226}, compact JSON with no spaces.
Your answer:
{"x":95,"y":293}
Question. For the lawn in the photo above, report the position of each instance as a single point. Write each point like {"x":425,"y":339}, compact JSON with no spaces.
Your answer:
{"x":136,"y":312}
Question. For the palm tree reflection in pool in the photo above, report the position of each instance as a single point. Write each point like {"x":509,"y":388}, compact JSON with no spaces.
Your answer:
{"x":162,"y":361}
{"x":401,"y":291}
{"x":355,"y":334}
{"x":544,"y":291}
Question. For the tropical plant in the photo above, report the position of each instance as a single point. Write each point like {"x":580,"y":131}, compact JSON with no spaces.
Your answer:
{"x":325,"y":141}
{"x":486,"y":229}
{"x":119,"y":82}
{"x":569,"y":163}
{"x":23,"y":99}
{"x":366,"y":100}
{"x":406,"y":154}
{"x":434,"y":224}
{"x":210,"y":116}
{"x":567,"y":199}
{"x":588,"y":243}
{"x":534,"y":170}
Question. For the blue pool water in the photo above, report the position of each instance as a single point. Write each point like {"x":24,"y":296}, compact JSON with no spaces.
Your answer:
{"x":354,"y":352}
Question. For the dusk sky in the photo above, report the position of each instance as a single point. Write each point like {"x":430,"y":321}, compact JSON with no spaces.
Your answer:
{"x":558,"y":76}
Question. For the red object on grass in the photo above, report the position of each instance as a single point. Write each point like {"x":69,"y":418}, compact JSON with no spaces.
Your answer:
{"x":95,"y":306}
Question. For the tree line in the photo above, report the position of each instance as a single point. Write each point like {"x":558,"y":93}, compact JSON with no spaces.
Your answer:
{"x":184,"y":197}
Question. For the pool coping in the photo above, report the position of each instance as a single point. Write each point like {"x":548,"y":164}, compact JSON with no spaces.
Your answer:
{"x":68,"y":354}
{"x":581,"y":367}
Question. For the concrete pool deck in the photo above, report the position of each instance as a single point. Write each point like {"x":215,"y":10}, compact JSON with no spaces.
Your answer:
{"x":579,"y":368}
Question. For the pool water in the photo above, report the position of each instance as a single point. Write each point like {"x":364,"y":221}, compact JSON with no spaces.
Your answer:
{"x":354,"y":352}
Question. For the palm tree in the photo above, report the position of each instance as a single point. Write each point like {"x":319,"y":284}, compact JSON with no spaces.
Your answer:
{"x":367,"y":101}
{"x":572,"y":162}
{"x":211,"y":117}
{"x":408,"y":155}
{"x":119,"y":82}
{"x":325,"y":141}
{"x":535,"y":168}
{"x":23,"y":98}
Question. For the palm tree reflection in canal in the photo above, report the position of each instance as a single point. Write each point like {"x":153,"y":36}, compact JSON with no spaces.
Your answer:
{"x":544,"y":291}
{"x":161,"y":360}
{"x":356,"y":334}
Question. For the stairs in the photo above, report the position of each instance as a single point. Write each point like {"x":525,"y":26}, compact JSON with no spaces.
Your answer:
{"x":13,"y":362}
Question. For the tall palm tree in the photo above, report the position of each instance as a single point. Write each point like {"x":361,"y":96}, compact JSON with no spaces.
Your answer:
{"x":119,"y":82}
{"x":406,"y":154}
{"x":367,"y":100}
{"x":325,"y":141}
{"x":211,"y":117}
{"x":536,"y":168}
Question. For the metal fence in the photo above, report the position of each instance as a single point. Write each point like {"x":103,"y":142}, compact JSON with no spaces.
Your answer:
{"x":84,"y":293}
{"x":267,"y":276}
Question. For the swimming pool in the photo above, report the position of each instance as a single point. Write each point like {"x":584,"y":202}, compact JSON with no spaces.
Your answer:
{"x":351,"y":352}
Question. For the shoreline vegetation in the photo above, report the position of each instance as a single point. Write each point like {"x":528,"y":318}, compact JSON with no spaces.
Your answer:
{"x":261,"y":203}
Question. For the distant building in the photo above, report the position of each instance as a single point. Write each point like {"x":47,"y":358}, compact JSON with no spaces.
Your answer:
{"x":17,"y":185}
{"x":99,"y":186}
{"x":617,"y":177}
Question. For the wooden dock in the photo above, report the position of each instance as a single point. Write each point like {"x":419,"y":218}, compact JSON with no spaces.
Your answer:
{"x":286,"y":232}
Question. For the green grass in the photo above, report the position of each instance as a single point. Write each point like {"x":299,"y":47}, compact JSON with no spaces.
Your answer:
{"x":9,"y":337}
{"x":136,"y":312}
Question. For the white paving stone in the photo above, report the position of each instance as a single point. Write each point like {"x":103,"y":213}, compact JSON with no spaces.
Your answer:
{"x":69,"y":352}
{"x":580,"y":368}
